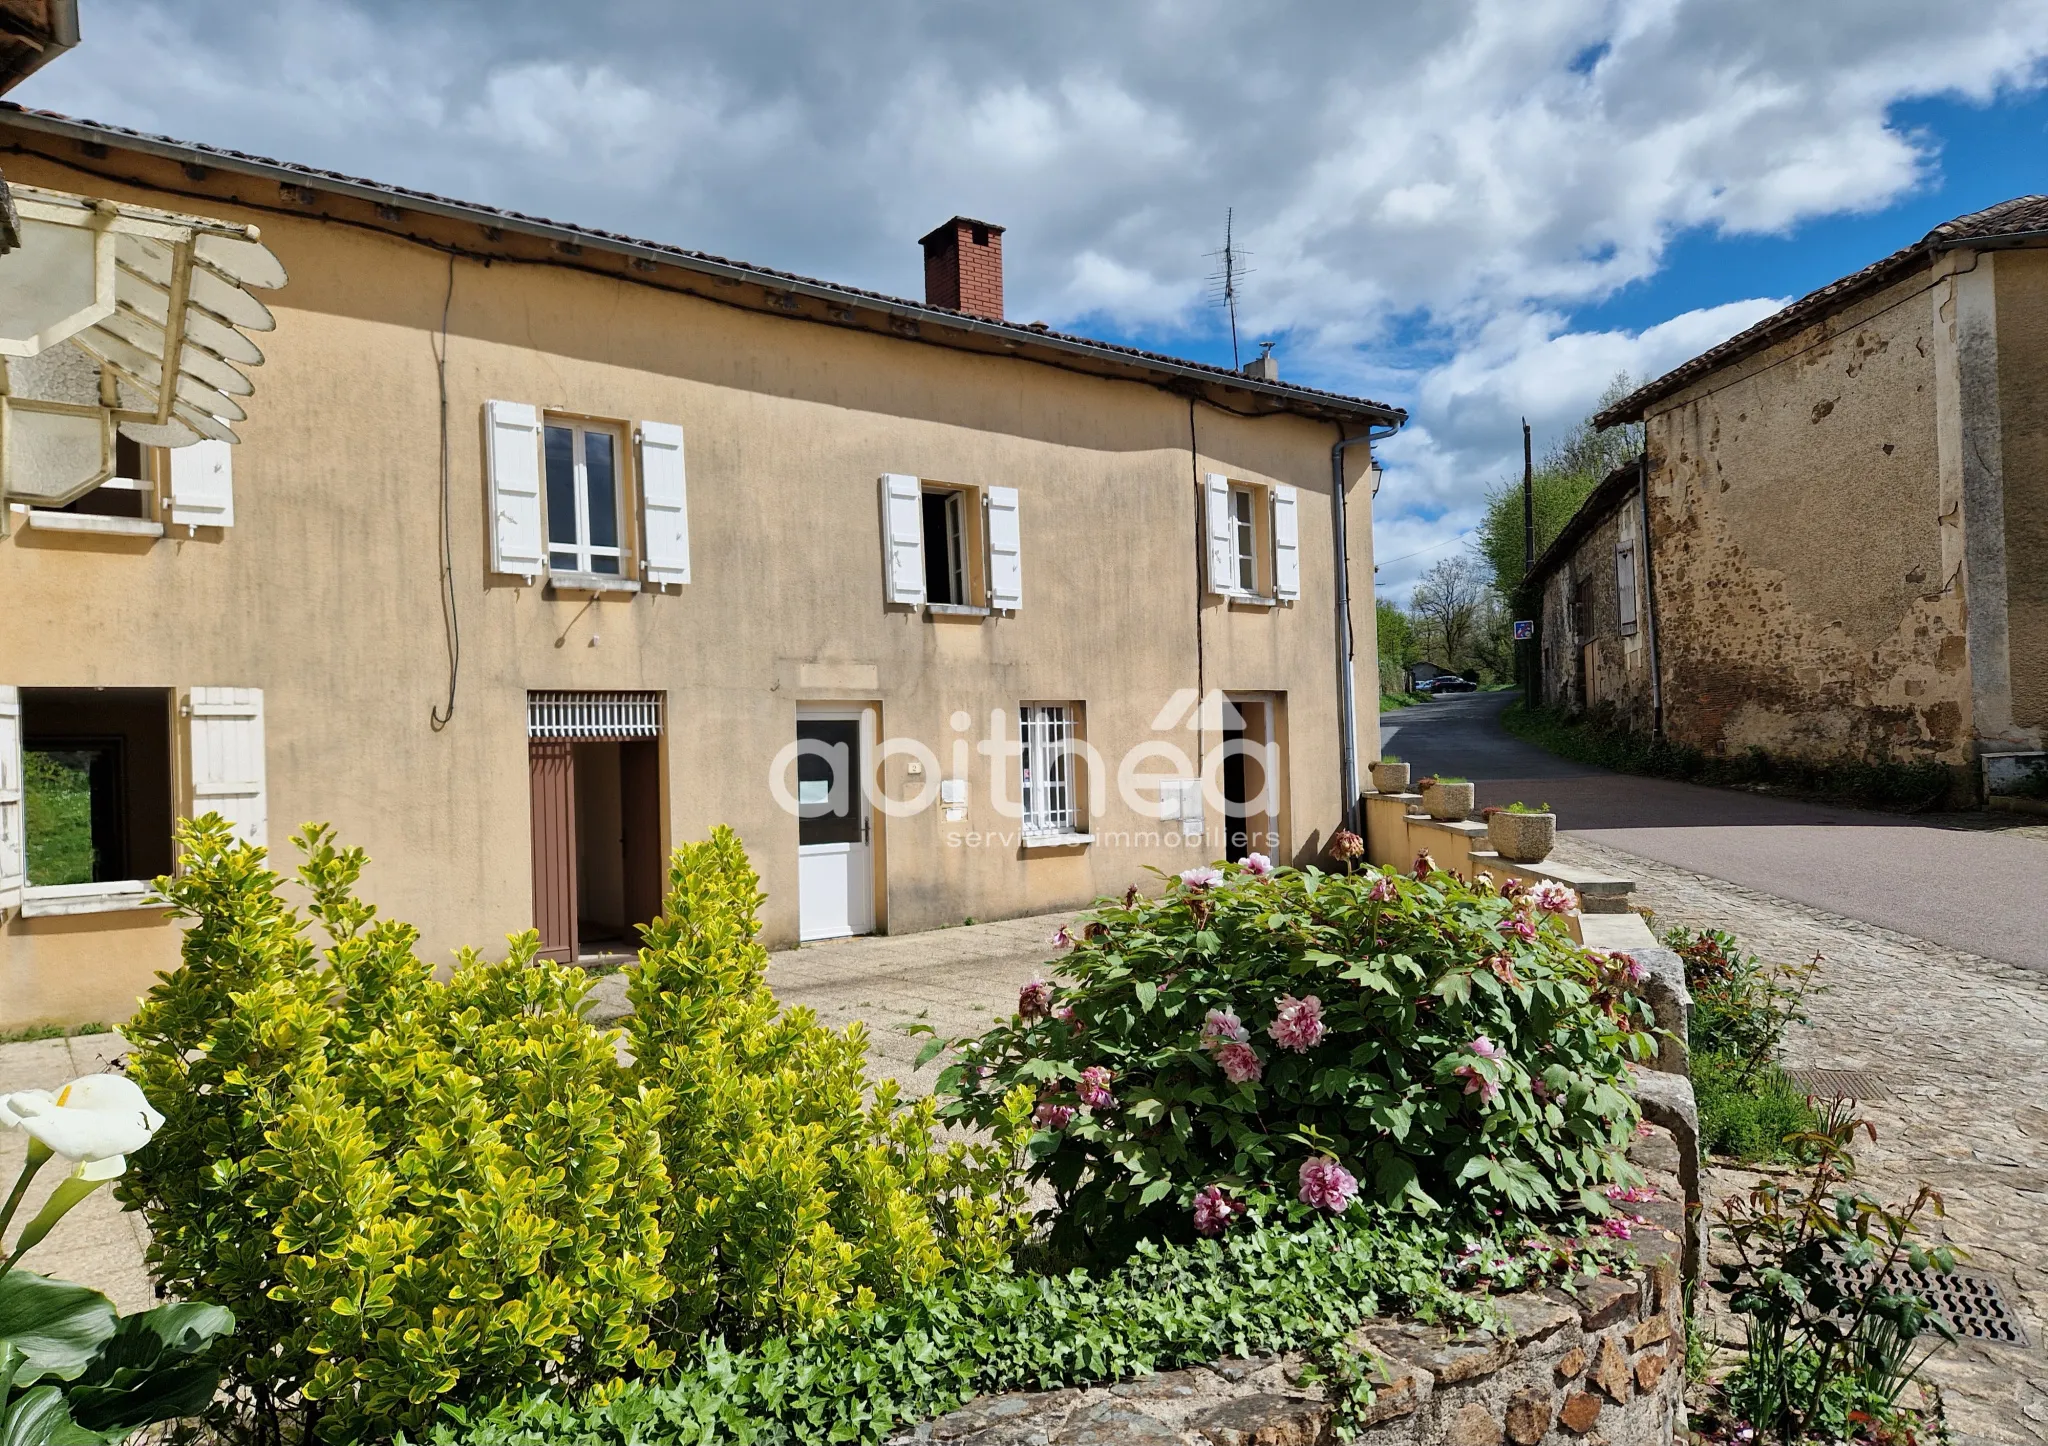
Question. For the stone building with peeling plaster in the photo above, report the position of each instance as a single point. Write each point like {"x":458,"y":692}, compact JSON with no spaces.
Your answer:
{"x":1846,"y":515}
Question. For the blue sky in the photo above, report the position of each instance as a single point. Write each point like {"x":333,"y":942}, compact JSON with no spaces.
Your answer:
{"x":1477,"y":209}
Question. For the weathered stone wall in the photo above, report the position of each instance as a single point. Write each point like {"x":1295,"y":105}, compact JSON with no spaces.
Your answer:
{"x":1605,"y":1365}
{"x":2022,"y":292}
{"x":1803,"y":601}
{"x":1593,"y":660}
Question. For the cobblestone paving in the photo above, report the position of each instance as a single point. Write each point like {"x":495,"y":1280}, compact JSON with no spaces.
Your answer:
{"x":1960,"y":1043}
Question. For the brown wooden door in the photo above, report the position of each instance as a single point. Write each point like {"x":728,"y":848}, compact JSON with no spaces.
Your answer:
{"x":553,"y":779}
{"x":640,"y":817}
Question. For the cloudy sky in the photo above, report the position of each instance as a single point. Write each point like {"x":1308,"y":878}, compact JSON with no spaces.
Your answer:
{"x":1474,"y":208}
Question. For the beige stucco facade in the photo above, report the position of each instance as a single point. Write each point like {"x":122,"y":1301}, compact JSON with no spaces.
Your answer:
{"x":325,"y":593}
{"x":1848,"y":553}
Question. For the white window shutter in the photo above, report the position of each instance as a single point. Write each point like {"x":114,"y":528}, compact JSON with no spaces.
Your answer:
{"x":1222,"y":542}
{"x":1286,"y":545}
{"x":226,"y":759}
{"x":1005,"y":550}
{"x":13,"y":814}
{"x":203,"y":485}
{"x":664,"y":503}
{"x":903,"y":538}
{"x":512,"y":458}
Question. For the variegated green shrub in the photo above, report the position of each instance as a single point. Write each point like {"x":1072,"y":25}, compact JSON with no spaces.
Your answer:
{"x":413,"y":1191}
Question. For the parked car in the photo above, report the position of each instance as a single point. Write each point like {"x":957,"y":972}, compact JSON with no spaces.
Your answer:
{"x":1448,"y":683}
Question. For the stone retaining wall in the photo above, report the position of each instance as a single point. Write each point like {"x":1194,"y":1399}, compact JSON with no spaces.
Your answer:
{"x":1604,"y":1365}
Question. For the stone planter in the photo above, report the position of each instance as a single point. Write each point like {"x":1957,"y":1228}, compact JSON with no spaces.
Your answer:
{"x":1390,"y":777}
{"x":1447,"y":802}
{"x":1522,"y":838}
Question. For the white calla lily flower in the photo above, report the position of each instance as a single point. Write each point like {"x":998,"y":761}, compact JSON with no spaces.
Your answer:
{"x":97,"y":1120}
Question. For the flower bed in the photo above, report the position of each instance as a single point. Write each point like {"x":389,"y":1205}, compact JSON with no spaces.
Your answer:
{"x":1293,"y":1036}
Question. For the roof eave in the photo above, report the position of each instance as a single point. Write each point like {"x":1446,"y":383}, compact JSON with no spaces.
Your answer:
{"x":1301,"y":401}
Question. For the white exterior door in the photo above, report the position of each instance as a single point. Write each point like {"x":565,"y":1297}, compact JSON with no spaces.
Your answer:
{"x":835,"y":833}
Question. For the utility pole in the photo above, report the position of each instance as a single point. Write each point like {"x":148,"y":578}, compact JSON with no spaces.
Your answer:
{"x":1528,"y":649}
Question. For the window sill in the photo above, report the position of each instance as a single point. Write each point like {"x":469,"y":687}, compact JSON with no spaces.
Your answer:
{"x":50,"y":521}
{"x":954,"y":610}
{"x":1252,"y":600}
{"x":591,"y":584}
{"x":1056,"y":840}
{"x":53,"y":900}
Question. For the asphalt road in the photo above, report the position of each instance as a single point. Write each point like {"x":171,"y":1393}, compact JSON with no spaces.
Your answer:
{"x":1967,"y":881}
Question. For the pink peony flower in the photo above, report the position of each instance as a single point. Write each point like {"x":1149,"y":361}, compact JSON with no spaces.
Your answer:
{"x":1299,"y":1025}
{"x":1201,"y":878}
{"x":1220,"y":1026}
{"x":1064,"y":1013}
{"x":1541,"y":1090}
{"x":1346,"y":846}
{"x":1632,"y":1194}
{"x":1486,"y":1048}
{"x":1053,"y":1116}
{"x":1616,"y":1226}
{"x":1034,"y":1001}
{"x":1554,"y":898}
{"x":1094,"y":1088}
{"x":1327,"y":1185}
{"x":1477,"y":1083}
{"x":1384,"y":889}
{"x":1424,"y":865}
{"x":1483,"y":881}
{"x":1636,"y":970}
{"x":1239,"y":1062}
{"x":1520,"y":928}
{"x":1062,"y":938}
{"x":1214,"y":1210}
{"x":1258,"y":864}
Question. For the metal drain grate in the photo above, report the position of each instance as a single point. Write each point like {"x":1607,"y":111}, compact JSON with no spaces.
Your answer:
{"x":1839,"y":1084}
{"x":1972,"y":1303}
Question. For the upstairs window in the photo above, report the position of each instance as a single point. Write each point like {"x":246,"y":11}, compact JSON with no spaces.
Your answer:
{"x":945,"y":547}
{"x":1048,"y":789}
{"x":1244,"y":532}
{"x":583,"y":493}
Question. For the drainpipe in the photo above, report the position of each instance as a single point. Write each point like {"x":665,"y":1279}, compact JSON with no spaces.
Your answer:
{"x":1650,"y":598}
{"x":1347,"y":687}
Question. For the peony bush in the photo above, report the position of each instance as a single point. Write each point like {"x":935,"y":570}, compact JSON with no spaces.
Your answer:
{"x":1261,"y":1036}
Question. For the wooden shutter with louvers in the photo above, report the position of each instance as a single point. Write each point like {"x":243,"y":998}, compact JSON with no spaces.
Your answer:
{"x":551,"y":769}
{"x":664,"y":504}
{"x":13,"y":814}
{"x":512,"y":459}
{"x":1625,"y":583}
{"x":902,"y":538}
{"x":225,"y":761}
{"x":203,"y":485}
{"x":1286,"y":545}
{"x":1005,"y":550}
{"x":1222,"y":539}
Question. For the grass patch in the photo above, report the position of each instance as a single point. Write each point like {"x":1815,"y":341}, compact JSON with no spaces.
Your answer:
{"x":1389,"y":702}
{"x":1748,"y":1118}
{"x":1870,"y":784}
{"x":52,"y":1031}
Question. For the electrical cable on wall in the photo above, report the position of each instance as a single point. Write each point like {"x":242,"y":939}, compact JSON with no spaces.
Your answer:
{"x":450,"y":623}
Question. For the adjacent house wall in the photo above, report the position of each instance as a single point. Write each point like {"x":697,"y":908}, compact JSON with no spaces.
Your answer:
{"x":2022,"y":292}
{"x":1594,"y":660}
{"x":1796,"y":500}
{"x":325,"y":593}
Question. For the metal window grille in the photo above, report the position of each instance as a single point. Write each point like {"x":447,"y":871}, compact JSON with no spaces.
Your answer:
{"x":593,"y":715}
{"x":1048,"y":791}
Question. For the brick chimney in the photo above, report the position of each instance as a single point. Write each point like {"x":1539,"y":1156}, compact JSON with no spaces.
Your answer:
{"x":963,"y":267}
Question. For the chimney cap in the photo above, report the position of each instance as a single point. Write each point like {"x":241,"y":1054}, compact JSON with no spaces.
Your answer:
{"x":953,"y":227}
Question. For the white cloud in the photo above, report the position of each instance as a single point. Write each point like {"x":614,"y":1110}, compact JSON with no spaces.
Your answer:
{"x":1428,"y":192}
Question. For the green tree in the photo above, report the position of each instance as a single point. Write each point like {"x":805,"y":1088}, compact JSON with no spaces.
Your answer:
{"x":1446,"y":610}
{"x":1572,"y":467}
{"x":1397,"y":640}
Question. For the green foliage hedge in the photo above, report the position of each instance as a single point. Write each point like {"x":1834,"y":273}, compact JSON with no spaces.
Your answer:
{"x":1255,"y":1033}
{"x":412,"y":1191}
{"x":1873,"y":783}
{"x":858,"y":1377}
{"x":1747,"y":1112}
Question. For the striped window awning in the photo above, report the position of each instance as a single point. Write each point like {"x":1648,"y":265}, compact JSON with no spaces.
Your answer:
{"x":593,"y":716}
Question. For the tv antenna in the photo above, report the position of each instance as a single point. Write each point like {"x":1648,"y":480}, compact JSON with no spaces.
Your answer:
{"x":1228,"y":279}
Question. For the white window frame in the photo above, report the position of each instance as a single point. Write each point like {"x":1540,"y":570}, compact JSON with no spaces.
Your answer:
{"x":1048,"y":790}
{"x":1244,"y":536}
{"x":580,"y":547}
{"x":954,"y":543}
